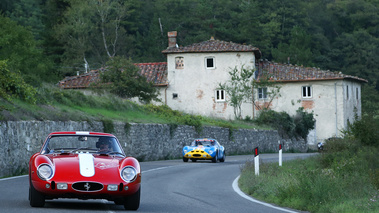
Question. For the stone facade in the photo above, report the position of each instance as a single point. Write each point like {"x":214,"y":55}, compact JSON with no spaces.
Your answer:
{"x":146,"y":142}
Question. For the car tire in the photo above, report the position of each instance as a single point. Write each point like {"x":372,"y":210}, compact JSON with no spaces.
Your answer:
{"x":223,"y":157}
{"x":215,"y":159}
{"x":36,"y":198}
{"x":119,"y":202}
{"x":132,"y":202}
{"x":185,"y":159}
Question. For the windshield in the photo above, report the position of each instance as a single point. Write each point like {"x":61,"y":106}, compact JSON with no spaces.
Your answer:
{"x":82,"y":143}
{"x":203,"y":143}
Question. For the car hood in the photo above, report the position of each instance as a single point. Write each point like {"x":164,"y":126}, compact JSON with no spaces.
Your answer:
{"x":205,"y":148}
{"x":85,"y":165}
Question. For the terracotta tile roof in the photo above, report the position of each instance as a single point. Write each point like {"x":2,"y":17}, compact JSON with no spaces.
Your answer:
{"x":214,"y":46}
{"x":154,"y":72}
{"x":288,"y":72}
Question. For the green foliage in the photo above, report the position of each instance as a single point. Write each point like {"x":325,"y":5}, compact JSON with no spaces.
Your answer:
{"x":127,"y":127}
{"x":122,"y":78}
{"x":365,"y":130}
{"x":238,"y":88}
{"x":27,"y":13}
{"x":173,"y":127}
{"x":298,"y":51}
{"x":191,"y":120}
{"x":295,"y":126}
{"x":278,"y":120}
{"x":13,"y":85}
{"x":175,"y":116}
{"x":338,"y":181}
{"x":18,"y":47}
{"x":94,"y":31}
{"x":370,"y":100}
{"x":304,"y":122}
{"x":108,"y":126}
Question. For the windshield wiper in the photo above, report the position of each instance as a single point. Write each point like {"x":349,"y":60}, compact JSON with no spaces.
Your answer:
{"x":77,"y":149}
{"x":112,"y":153}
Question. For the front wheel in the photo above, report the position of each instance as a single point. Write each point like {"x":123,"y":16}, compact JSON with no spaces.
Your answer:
{"x":223,"y":157}
{"x":36,"y":198}
{"x":215,"y":159}
{"x":132,"y":202}
{"x":185,"y":159}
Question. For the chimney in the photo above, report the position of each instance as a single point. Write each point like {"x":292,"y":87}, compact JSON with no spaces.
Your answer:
{"x":172,"y":39}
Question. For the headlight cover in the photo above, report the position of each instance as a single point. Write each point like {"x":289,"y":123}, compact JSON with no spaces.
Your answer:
{"x":45,"y":172}
{"x":128,"y":174}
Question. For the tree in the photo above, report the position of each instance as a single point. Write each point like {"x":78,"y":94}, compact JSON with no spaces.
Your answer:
{"x":122,"y":78}
{"x":94,"y":31}
{"x":298,"y":51}
{"x":28,"y":14}
{"x":13,"y":85}
{"x":238,"y":88}
{"x":18,"y":47}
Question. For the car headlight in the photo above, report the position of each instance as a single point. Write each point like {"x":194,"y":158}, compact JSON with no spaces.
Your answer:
{"x":210,"y":152}
{"x":45,"y":171}
{"x":185,"y":151}
{"x":128,"y":174}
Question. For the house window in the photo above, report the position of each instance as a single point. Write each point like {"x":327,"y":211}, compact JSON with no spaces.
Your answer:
{"x":347,"y":92}
{"x":262,"y":93}
{"x":220,"y":95}
{"x":307,"y":92}
{"x":210,"y":63}
{"x":357,"y":93}
{"x":174,"y":95}
{"x":179,"y":63}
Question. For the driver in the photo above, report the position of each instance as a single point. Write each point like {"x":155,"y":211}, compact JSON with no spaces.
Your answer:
{"x":104,"y":144}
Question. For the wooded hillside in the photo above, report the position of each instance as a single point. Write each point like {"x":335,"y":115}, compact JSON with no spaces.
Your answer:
{"x":49,"y":39}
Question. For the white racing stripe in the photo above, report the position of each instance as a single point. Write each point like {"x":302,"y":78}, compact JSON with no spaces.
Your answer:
{"x":86,"y":165}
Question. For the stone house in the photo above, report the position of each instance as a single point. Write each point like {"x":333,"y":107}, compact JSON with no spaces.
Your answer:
{"x":188,"y":81}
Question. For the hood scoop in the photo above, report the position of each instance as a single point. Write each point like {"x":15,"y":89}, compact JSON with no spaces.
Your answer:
{"x":86,"y":165}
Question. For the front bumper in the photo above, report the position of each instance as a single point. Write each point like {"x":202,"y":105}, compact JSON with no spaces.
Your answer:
{"x":106,"y":190}
{"x":198,"y":154}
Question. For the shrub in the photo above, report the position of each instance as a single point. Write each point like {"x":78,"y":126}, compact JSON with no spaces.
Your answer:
{"x":296,"y":126}
{"x":278,"y":120}
{"x":304,"y":122}
{"x":13,"y":85}
{"x":365,"y":129}
{"x":108,"y":126}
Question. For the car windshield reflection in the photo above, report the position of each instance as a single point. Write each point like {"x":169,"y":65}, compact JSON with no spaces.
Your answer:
{"x":85,"y":144}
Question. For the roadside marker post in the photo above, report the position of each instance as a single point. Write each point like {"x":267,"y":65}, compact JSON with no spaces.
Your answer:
{"x":256,"y":161}
{"x":280,"y":155}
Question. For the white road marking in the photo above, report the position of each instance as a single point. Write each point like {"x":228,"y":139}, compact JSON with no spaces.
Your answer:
{"x":234,"y":184}
{"x":9,"y":178}
{"x":240,"y":193}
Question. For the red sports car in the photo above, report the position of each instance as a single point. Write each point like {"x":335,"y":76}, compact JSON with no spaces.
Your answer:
{"x":84,"y":165}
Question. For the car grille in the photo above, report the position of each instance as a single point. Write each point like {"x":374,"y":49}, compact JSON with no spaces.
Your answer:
{"x":197,"y":153}
{"x":87,"y":186}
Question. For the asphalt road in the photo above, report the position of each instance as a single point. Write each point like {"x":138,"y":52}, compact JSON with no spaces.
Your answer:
{"x":167,"y":186}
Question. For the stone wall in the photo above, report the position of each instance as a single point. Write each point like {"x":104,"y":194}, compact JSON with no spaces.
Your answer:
{"x":19,"y":140}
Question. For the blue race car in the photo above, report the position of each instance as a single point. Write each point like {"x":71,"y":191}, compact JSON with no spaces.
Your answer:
{"x":204,"y":149}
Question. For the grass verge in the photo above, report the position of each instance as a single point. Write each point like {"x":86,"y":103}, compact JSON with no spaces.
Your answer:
{"x":337,"y":181}
{"x":64,"y":105}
